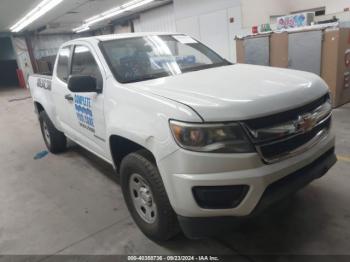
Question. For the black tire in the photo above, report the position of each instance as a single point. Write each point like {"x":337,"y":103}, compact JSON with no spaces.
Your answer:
{"x":165,"y":226}
{"x":56,"y":141}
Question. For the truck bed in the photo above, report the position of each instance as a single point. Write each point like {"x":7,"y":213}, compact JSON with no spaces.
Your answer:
{"x":40,"y":81}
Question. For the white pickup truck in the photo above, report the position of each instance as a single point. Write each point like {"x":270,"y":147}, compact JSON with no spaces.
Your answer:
{"x":196,"y":140}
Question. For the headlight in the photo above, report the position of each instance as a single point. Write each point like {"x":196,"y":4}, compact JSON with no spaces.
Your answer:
{"x":214,"y":138}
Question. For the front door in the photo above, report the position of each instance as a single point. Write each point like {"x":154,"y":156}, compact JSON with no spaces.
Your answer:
{"x":61,"y":95}
{"x":85,"y":111}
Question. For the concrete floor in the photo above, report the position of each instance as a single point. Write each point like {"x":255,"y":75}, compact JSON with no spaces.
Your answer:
{"x":72,"y":203}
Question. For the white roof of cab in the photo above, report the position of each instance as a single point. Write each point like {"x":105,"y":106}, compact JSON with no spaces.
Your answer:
{"x":103,"y":38}
{"x":128,"y":35}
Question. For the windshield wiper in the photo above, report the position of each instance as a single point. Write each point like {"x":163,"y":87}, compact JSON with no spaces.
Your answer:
{"x":185,"y":70}
{"x":147,"y":77}
{"x":203,"y":67}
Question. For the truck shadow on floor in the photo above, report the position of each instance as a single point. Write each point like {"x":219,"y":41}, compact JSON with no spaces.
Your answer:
{"x":298,"y":225}
{"x":285,"y":228}
{"x":100,"y":165}
{"x":180,"y":244}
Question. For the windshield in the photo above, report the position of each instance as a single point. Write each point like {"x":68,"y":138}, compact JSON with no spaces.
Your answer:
{"x":150,"y":57}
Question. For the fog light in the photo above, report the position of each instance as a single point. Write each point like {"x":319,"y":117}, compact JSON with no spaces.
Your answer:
{"x":220,"y":197}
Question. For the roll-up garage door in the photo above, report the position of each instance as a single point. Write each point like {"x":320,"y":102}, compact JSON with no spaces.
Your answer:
{"x":305,"y":49}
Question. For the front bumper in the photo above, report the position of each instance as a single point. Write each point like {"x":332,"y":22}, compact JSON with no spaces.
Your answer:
{"x":183,"y":170}
{"x":199,"y":227}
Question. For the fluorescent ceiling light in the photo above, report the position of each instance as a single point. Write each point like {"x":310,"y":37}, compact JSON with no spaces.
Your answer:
{"x":112,"y":12}
{"x":129,"y":6}
{"x":104,"y":16}
{"x":38,"y":11}
{"x":83,"y":29}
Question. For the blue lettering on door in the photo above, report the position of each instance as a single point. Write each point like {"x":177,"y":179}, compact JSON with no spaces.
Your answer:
{"x":83,"y":110}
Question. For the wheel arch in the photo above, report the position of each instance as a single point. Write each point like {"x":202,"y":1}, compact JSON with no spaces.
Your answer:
{"x":38,"y":107}
{"x":120,"y":147}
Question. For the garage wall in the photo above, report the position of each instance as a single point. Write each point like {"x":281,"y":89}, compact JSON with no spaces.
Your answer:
{"x":161,"y":19}
{"x":23,"y":58}
{"x":48,"y":45}
{"x":209,"y":21}
{"x":332,"y":6}
{"x":206,"y":20}
{"x":45,"y":48}
{"x":6,"y":49}
{"x":193,"y":8}
{"x":8,"y":64}
{"x":253,"y":15}
{"x":122,"y":29}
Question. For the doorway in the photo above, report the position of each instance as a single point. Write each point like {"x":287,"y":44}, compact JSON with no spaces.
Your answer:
{"x":8,"y":64}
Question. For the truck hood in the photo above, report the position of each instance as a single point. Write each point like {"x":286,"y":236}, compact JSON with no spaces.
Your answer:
{"x":239,"y":92}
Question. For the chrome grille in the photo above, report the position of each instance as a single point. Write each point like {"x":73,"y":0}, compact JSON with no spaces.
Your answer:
{"x":296,"y":131}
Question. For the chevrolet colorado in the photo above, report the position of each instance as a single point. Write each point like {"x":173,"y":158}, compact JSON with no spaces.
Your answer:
{"x":196,"y":140}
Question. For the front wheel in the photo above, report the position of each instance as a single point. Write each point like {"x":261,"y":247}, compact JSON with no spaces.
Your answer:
{"x":56,"y":141}
{"x":146,"y":199}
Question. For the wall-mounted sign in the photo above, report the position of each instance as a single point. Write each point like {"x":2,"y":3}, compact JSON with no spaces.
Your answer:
{"x":294,"y":21}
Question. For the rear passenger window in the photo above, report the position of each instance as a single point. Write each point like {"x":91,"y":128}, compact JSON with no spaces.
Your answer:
{"x":85,"y":64}
{"x":62,"y":64}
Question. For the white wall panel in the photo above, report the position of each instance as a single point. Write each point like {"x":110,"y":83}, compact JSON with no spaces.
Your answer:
{"x":258,"y":12}
{"x":235,"y":28}
{"x":191,"y":8}
{"x":189,"y":26}
{"x":205,"y":20}
{"x":209,"y":21}
{"x":214,"y":31}
{"x":157,"y":20}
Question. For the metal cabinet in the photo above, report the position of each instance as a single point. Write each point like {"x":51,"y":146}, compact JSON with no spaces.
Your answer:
{"x":257,"y":50}
{"x":305,"y":50}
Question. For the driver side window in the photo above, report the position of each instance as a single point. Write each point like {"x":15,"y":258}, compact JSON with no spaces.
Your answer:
{"x":83,"y":63}
{"x":63,"y":64}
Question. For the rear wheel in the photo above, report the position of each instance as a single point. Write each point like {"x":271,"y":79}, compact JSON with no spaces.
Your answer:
{"x":56,"y":141}
{"x":146,"y":197}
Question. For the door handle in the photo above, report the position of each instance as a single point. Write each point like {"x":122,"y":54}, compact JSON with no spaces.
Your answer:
{"x":69,"y":97}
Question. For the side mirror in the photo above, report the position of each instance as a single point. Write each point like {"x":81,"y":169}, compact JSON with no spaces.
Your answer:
{"x":82,"y":84}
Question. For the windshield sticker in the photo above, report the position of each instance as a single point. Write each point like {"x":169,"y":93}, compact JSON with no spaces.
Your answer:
{"x":186,"y":60}
{"x":184,"y":39}
{"x":83,"y":110}
{"x":163,"y":61}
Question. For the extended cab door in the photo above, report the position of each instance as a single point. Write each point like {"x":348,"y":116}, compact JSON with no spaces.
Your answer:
{"x":83,"y":115}
{"x":60,"y":90}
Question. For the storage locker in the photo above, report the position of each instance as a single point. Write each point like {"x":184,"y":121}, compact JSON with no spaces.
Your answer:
{"x":305,"y":51}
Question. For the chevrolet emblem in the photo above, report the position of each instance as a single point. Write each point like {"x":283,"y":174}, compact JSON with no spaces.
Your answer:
{"x":305,"y":123}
